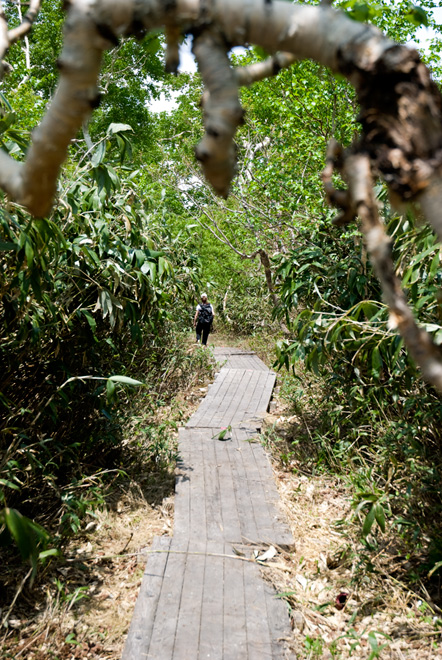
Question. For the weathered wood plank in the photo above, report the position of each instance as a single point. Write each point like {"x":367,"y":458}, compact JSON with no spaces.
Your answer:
{"x":215,"y":529}
{"x":189,"y":616}
{"x":235,"y":629}
{"x":278,"y":621}
{"x":269,"y":518}
{"x":242,"y":411}
{"x":210,"y":399}
{"x":246,"y":513}
{"x":221,"y":415}
{"x":182,"y":487}
{"x":163,"y":635}
{"x":140,"y":631}
{"x":213,"y":402}
{"x":226,"y":415}
{"x":212,"y":614}
{"x":259,"y":639}
{"x":229,"y":512}
{"x":263,"y":511}
{"x":198,"y":523}
{"x":266,"y":395}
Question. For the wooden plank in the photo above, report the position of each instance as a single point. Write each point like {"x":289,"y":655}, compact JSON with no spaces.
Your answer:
{"x":182,"y":488}
{"x":163,"y":635}
{"x":263,"y":510}
{"x":216,"y":401}
{"x":221,"y":415}
{"x":236,"y":361}
{"x":198,"y":525}
{"x":251,"y":415}
{"x":278,"y":621}
{"x":143,"y":618}
{"x":267,"y":393}
{"x":259,"y":364}
{"x":235,"y":410}
{"x":212,"y":614}
{"x":229,"y":512}
{"x":246,"y":514}
{"x":207,"y":403}
{"x":241,"y":411}
{"x":259,"y":638}
{"x":189,"y":618}
{"x":269,"y":518}
{"x":235,"y":630}
{"x":215,"y":529}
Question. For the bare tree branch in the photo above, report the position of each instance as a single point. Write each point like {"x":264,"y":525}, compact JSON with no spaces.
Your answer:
{"x":222,"y":111}
{"x":427,"y":355}
{"x":8,"y":37}
{"x":247,"y":75}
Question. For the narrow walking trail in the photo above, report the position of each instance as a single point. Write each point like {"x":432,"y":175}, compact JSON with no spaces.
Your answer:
{"x":199,"y":599}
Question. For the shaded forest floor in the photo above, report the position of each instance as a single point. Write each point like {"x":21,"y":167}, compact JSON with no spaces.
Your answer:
{"x":81,"y":606}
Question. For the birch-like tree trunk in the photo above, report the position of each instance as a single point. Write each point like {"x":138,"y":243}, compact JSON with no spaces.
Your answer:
{"x":401,"y":108}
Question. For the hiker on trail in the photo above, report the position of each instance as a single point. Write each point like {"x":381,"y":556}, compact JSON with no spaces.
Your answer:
{"x":203,"y":319}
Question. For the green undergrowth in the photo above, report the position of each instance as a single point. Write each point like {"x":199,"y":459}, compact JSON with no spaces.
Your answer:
{"x":389,"y":458}
{"x":364,"y":411}
{"x":126,"y":441}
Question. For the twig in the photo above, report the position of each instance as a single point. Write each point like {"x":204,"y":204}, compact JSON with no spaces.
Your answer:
{"x":172,"y":552}
{"x":247,"y":75}
{"x":14,"y":600}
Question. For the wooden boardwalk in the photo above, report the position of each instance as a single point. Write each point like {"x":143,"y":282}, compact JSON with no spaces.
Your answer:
{"x":198,"y":598}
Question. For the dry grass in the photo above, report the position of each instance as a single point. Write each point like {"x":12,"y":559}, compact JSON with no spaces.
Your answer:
{"x":331,"y":563}
{"x":87,"y":614}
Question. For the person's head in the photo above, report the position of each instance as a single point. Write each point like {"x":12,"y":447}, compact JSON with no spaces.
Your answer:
{"x":204,"y":298}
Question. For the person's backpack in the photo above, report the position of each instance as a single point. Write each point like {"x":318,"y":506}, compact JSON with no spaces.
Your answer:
{"x":205,"y":314}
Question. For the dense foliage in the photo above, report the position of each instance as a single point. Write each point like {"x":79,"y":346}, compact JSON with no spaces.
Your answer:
{"x":98,"y":293}
{"x":94,"y":299}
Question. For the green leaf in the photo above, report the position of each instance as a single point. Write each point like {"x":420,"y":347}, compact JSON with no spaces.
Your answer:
{"x":90,"y":319}
{"x":29,"y":251}
{"x":379,"y":514}
{"x":125,"y":379}
{"x":368,"y":522}
{"x":7,"y":245}
{"x":417,"y":16}
{"x":99,"y":154}
{"x":110,"y":390}
{"x":9,"y":484}
{"x":376,"y":360}
{"x":116,"y":127}
{"x":20,"y":532}
{"x":53,"y":552}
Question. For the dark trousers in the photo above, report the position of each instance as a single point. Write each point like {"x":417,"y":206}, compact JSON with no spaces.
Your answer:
{"x":202,"y":330}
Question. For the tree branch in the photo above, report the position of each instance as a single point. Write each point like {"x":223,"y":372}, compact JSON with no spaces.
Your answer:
{"x":426,"y":354}
{"x":401,"y":108}
{"x":222,"y":111}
